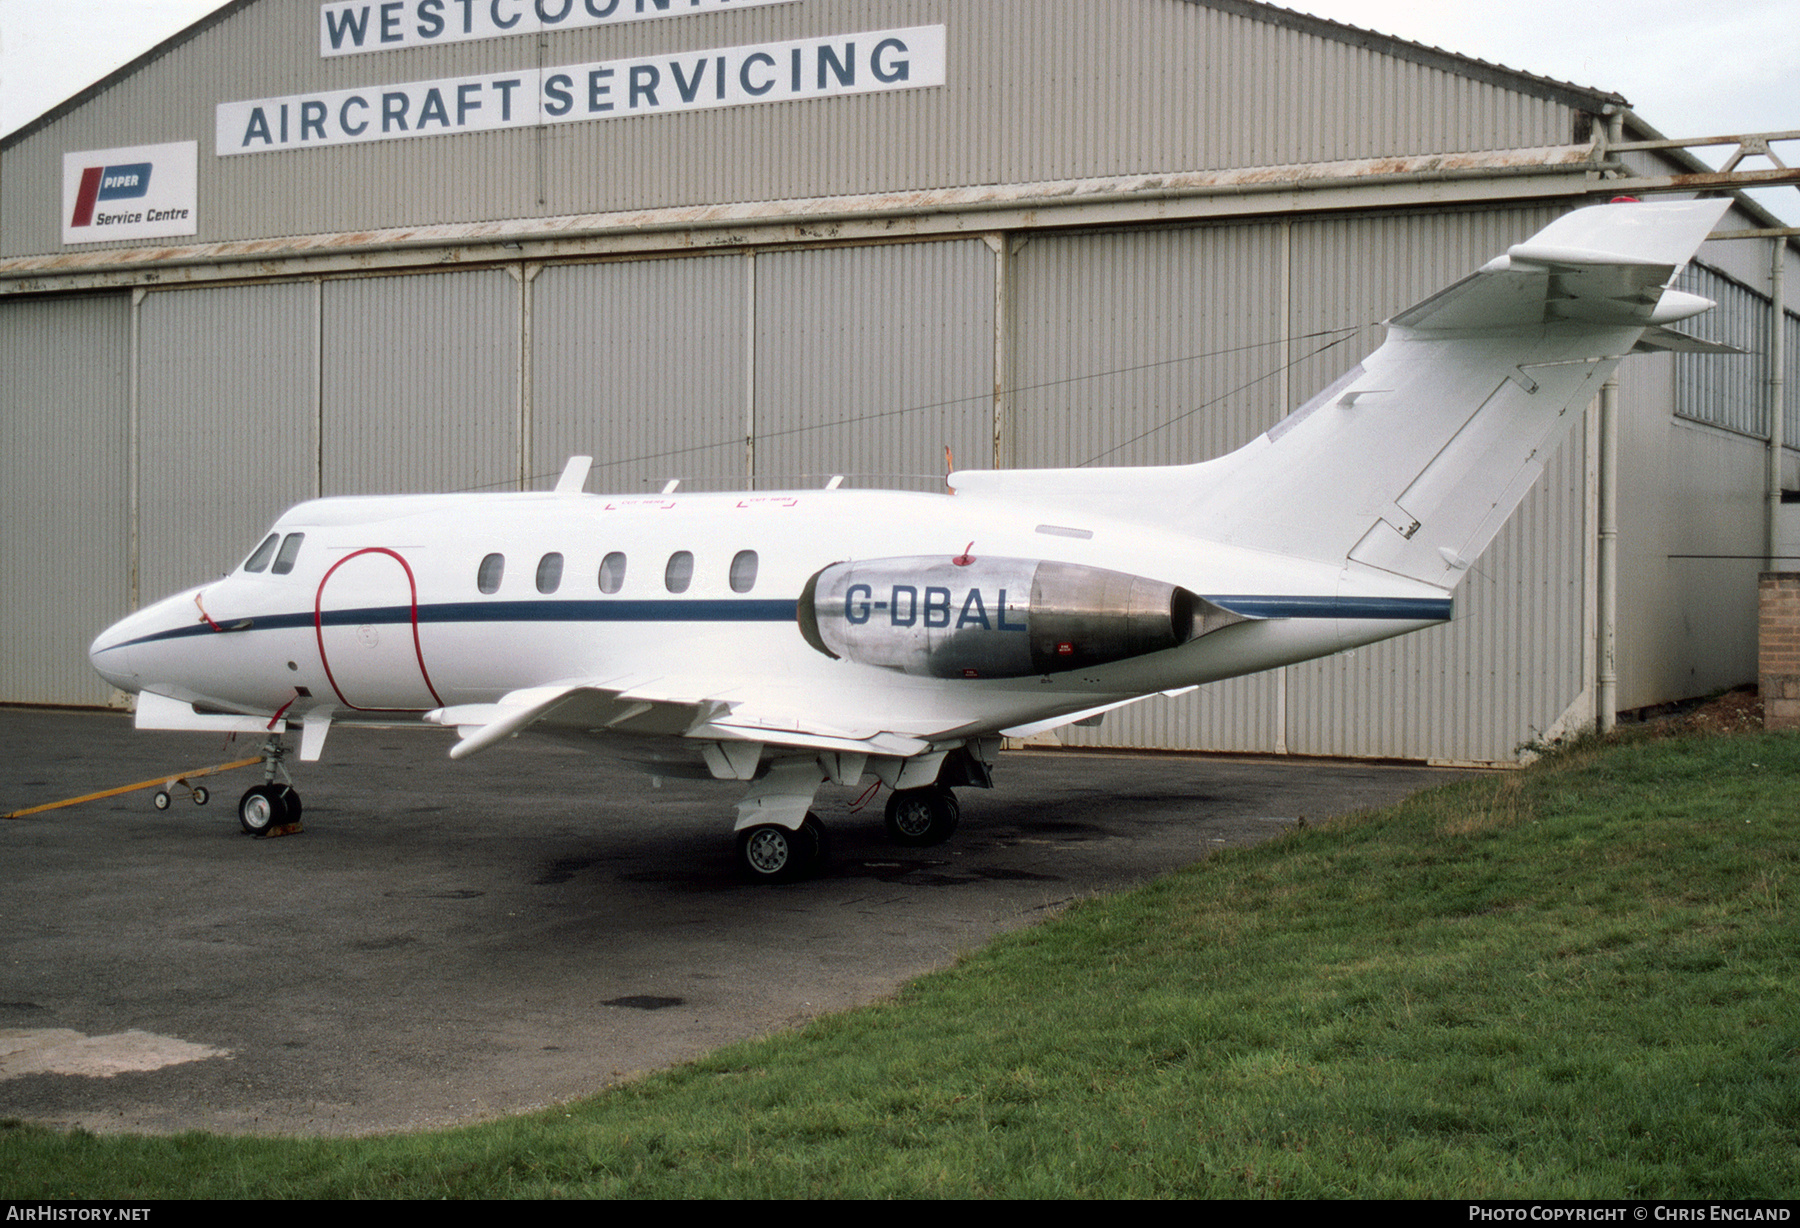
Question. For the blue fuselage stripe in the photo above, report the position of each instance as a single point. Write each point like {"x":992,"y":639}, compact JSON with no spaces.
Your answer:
{"x":705,"y":610}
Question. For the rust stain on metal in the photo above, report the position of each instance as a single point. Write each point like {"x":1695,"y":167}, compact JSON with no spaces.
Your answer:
{"x":821,"y":217}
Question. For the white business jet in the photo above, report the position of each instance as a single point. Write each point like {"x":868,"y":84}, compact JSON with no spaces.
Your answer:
{"x":783,"y":640}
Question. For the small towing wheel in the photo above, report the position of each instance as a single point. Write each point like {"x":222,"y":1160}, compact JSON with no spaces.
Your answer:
{"x":918,"y":818}
{"x":201,"y":795}
{"x":161,"y":800}
{"x":260,"y":809}
{"x":771,"y":854}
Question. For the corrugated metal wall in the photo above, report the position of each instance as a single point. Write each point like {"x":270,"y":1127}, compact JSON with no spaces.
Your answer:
{"x":1128,"y":347}
{"x":227,"y":401}
{"x":64,"y":488}
{"x":871,"y":360}
{"x":1139,"y":347}
{"x":1726,"y":390}
{"x":421,"y":383}
{"x":1163,"y":85}
{"x":1195,"y":326}
{"x":642,"y":365}
{"x":1512,"y":660}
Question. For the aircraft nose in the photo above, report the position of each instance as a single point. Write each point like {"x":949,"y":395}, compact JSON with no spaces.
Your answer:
{"x":110,"y":655}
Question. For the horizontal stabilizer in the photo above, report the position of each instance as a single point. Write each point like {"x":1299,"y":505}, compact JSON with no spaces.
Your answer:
{"x":1668,"y":341}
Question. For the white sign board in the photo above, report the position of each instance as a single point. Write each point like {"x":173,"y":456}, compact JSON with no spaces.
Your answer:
{"x":353,"y":27}
{"x":832,"y":66}
{"x":139,"y":192}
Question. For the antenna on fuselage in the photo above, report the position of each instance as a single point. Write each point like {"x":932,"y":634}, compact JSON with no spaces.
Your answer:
{"x":574,"y":475}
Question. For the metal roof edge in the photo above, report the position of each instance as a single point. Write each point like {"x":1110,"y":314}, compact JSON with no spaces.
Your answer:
{"x":123,"y":71}
{"x":1689,"y":160}
{"x":1579,"y":97}
{"x":820,"y":217}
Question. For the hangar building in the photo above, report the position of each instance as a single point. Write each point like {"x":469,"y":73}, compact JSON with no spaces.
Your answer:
{"x":408,"y":245}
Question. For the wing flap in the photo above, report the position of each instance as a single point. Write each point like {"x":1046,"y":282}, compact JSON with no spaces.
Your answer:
{"x":655,"y":708}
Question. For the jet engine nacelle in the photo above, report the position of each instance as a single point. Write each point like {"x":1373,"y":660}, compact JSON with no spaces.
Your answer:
{"x":995,"y":618}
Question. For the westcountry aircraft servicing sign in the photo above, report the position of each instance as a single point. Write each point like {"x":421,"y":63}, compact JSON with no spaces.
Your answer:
{"x":832,"y":66}
{"x":139,"y":192}
{"x":359,"y":26}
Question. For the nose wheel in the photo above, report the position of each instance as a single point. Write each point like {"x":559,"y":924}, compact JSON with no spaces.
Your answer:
{"x":264,"y":807}
{"x":267,"y":808}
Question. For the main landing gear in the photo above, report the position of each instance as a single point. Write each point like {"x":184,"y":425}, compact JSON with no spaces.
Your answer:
{"x":273,"y":805}
{"x":916,"y":818}
{"x":919,"y":818}
{"x":780,"y":839}
{"x":773,"y":854}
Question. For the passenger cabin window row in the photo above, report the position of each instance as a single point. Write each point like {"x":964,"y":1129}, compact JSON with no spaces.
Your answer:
{"x":678,"y":572}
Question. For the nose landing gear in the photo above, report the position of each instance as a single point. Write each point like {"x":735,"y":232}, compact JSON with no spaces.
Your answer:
{"x":273,"y":807}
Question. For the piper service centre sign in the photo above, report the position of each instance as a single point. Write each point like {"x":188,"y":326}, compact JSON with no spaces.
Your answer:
{"x":138,"y":192}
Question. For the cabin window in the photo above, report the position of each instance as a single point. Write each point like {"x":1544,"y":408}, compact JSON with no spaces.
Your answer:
{"x":487,"y":577}
{"x":264,"y":553}
{"x":549,"y":574}
{"x":743,"y":571}
{"x":284,"y":560}
{"x":680,"y":571}
{"x":612,"y":572}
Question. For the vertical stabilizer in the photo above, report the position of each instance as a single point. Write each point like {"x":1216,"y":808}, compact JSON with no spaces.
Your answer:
{"x":1413,"y":461}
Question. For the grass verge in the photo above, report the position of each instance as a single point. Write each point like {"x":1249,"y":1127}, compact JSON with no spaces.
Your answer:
{"x":1574,"y":981}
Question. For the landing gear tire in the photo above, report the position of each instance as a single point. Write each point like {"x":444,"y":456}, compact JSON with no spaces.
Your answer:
{"x":160,"y":801}
{"x":268,"y":806}
{"x":771,"y":854}
{"x":201,"y":795}
{"x":919,"y":818}
{"x":813,"y":831}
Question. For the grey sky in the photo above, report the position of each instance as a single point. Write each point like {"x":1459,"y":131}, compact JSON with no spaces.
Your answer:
{"x":1690,"y":69}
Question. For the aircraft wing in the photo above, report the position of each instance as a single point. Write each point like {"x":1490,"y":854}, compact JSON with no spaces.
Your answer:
{"x":653,"y":707}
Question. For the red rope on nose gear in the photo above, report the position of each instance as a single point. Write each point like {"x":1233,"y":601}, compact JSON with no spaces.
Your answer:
{"x":208,"y":617}
{"x":965,"y":558}
{"x":862,"y":801}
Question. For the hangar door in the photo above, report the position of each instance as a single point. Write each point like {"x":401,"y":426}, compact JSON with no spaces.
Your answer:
{"x":1178,"y":345}
{"x":64,"y":448}
{"x":765,"y":369}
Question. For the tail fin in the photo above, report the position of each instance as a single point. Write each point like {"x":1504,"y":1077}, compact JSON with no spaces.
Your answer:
{"x":1413,"y":460}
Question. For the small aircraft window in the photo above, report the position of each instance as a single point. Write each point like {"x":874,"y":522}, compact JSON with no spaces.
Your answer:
{"x":549,"y":576}
{"x":263,"y":554}
{"x":487,"y":578}
{"x":743,"y":571}
{"x":284,"y":561}
{"x":612,"y":572}
{"x":680,"y":571}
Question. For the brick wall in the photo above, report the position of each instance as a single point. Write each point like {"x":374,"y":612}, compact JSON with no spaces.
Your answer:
{"x":1778,"y":648}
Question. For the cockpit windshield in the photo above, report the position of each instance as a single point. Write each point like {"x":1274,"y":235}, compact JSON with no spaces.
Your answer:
{"x":264,"y":552}
{"x":284,"y":561}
